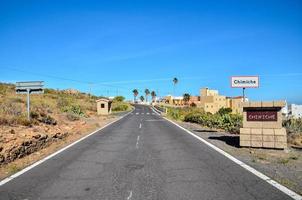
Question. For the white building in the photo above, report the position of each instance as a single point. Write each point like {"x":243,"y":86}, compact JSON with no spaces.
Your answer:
{"x":295,"y":111}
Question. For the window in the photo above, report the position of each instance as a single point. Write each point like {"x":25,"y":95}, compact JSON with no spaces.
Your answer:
{"x":102,"y":105}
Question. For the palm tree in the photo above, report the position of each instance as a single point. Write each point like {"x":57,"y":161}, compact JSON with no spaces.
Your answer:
{"x":147,"y":92}
{"x":135,"y":93}
{"x":142,"y":98}
{"x":186,"y":98}
{"x":153,"y":94}
{"x":175,"y":81}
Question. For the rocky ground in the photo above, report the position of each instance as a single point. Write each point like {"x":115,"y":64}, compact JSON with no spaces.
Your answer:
{"x":284,"y":166}
{"x":20,"y":146}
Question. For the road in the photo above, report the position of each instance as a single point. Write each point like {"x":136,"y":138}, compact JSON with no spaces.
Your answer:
{"x":140,"y":157}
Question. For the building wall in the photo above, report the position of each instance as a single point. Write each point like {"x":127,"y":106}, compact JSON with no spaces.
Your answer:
{"x":295,"y":111}
{"x":211,"y":101}
{"x":236,"y":104}
{"x":105,"y":110}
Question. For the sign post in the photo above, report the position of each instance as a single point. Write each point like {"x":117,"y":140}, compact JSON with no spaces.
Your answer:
{"x":35,"y":87}
{"x":244,"y":82}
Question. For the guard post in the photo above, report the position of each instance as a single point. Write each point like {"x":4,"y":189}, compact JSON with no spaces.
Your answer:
{"x":29,"y":87}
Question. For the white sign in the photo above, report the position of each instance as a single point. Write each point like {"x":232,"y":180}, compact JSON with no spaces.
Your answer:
{"x":245,"y":81}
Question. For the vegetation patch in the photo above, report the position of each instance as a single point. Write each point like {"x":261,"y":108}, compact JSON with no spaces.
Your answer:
{"x":223,"y":119}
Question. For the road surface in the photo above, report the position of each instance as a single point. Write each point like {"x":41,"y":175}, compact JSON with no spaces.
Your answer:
{"x":140,"y":157}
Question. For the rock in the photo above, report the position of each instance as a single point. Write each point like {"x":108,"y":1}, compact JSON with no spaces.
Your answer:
{"x":46,"y":129}
{"x":37,"y":136}
{"x":26,"y":143}
{"x":43,"y":137}
{"x":12,"y":131}
{"x":1,"y":148}
{"x":35,"y":130}
{"x":83,"y":123}
{"x":2,"y":158}
{"x":60,"y":135}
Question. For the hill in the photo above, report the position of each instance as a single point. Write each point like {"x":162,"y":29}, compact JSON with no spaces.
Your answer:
{"x":56,"y":115}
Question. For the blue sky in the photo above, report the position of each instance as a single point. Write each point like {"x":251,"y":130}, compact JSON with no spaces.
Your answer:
{"x":120,"y":45}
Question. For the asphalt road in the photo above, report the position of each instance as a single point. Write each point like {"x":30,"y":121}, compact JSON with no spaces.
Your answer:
{"x":140,"y":157}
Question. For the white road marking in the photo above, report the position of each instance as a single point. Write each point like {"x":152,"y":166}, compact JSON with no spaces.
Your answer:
{"x":154,"y":120}
{"x":6,"y":180}
{"x":136,"y":113}
{"x":153,"y":113}
{"x":130,"y":195}
{"x":137,"y":140}
{"x":140,"y":125}
{"x":148,"y":113}
{"x":280,"y":187}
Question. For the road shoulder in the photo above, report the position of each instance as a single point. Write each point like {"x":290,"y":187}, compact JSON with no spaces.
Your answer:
{"x":282,"y":166}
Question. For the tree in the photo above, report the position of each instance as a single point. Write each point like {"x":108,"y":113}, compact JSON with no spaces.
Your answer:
{"x":119,"y":99}
{"x":142,"y":98}
{"x":186,"y":98}
{"x":153,"y":94}
{"x":135,"y":93}
{"x":175,"y":81}
{"x":147,"y":92}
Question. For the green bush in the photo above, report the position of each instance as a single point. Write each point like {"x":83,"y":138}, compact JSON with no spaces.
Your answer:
{"x":119,"y":99}
{"x":221,"y":120}
{"x":72,"y":117}
{"x":75,"y":109}
{"x":116,"y":107}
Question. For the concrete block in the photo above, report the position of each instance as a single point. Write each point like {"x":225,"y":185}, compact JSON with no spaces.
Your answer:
{"x":280,"y":117}
{"x":268,"y":131}
{"x":267,"y":104}
{"x":280,"y":104}
{"x":280,"y":131}
{"x":280,"y":138}
{"x":256,"y":104}
{"x":271,"y":125}
{"x":245,"y":131}
{"x":244,"y":143}
{"x":280,"y":145}
{"x":256,"y":131}
{"x":256,"y":137}
{"x":256,"y":143}
{"x":245,"y":137}
{"x":268,"y":144}
{"x":268,"y":138}
{"x":244,"y":116}
{"x":245,"y":104}
{"x":250,"y":124}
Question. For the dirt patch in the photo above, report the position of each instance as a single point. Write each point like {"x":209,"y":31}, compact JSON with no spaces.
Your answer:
{"x":21,"y":146}
{"x":284,"y":166}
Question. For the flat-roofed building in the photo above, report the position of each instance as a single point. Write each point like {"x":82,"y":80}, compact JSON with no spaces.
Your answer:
{"x":235,"y":103}
{"x":211,"y":101}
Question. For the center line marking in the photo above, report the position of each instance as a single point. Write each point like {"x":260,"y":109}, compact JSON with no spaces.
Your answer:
{"x":130,"y":195}
{"x":137,"y":140}
{"x":140,"y":125}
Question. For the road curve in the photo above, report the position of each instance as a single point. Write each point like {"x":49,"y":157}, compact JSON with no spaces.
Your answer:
{"x":142,"y":156}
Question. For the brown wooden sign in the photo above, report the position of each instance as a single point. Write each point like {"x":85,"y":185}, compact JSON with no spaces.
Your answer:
{"x":261,"y":116}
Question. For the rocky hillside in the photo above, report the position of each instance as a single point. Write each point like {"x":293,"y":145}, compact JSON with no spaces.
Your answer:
{"x":54,"y":116}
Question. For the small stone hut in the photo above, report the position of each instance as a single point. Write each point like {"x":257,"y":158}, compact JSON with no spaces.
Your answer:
{"x":103,"y":106}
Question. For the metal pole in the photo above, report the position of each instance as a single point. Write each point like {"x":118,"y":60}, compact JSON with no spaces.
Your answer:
{"x":28,"y":104}
{"x":243,"y":91}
